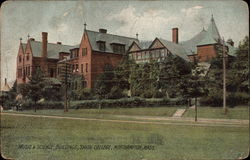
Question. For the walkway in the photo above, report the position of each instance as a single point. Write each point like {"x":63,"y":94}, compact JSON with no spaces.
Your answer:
{"x":151,"y":120}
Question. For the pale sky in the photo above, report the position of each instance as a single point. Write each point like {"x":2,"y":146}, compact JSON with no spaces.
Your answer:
{"x":63,"y":20}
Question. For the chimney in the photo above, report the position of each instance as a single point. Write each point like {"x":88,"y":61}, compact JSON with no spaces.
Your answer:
{"x":44,"y":44}
{"x":32,"y":39}
{"x":58,"y":42}
{"x":175,"y":35}
{"x":101,"y":30}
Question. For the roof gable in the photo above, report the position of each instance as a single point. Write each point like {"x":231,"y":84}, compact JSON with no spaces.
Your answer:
{"x":156,"y":44}
{"x":134,"y":47}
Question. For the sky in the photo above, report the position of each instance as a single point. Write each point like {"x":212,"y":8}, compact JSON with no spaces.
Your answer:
{"x":63,"y":20}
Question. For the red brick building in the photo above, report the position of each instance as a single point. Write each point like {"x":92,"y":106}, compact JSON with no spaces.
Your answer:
{"x":39,"y":54}
{"x":96,"y":50}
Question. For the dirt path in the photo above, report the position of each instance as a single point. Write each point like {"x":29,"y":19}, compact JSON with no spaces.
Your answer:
{"x":181,"y":123}
{"x":188,"y":119}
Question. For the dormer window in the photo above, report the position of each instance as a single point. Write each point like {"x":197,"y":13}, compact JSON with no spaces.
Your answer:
{"x":118,"y":48}
{"x":101,"y":45}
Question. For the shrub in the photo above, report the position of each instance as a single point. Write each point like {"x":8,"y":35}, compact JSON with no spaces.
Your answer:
{"x":116,"y":93}
{"x":158,"y":94}
{"x":147,"y":94}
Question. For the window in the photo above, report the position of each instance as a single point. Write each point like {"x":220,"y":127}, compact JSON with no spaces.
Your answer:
{"x":20,"y":58}
{"x":29,"y":71}
{"x":76,"y":67}
{"x":86,"y":67}
{"x":101,"y":45}
{"x":84,"y":51}
{"x":19,"y":72}
{"x":71,"y":54}
{"x":81,"y":68}
{"x":73,"y":68}
{"x":77,"y":54}
{"x":27,"y":57}
{"x":118,"y":48}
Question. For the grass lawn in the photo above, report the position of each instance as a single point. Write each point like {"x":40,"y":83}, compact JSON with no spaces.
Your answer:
{"x":239,"y":112}
{"x":44,"y":138}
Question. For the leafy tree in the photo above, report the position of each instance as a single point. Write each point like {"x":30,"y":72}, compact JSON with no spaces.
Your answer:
{"x":237,"y":75}
{"x":52,"y":89}
{"x":35,"y":87}
{"x":105,"y":82}
{"x":173,"y":71}
{"x":122,"y":73}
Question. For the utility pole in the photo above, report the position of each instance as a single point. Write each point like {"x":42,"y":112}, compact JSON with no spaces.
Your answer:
{"x":224,"y":76}
{"x":66,"y":88}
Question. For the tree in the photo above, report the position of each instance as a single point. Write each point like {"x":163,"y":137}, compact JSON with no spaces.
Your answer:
{"x":173,"y":71}
{"x":36,"y":86}
{"x":237,"y":78}
{"x":105,"y":82}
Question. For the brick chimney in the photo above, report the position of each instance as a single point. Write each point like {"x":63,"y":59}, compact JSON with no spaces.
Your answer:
{"x":175,"y":35}
{"x":101,"y":30}
{"x":44,"y":53}
{"x":44,"y":44}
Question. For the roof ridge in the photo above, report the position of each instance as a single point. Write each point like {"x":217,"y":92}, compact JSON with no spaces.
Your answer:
{"x":55,"y":43}
{"x":113,"y":35}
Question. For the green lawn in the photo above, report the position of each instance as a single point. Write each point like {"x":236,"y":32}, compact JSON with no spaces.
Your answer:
{"x":239,"y":112}
{"x":169,"y":141}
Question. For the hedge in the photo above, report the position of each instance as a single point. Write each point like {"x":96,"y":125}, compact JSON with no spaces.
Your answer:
{"x":127,"y":103}
{"x":43,"y":105}
{"x":105,"y":103}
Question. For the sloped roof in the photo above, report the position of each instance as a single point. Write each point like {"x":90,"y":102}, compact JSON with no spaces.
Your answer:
{"x":212,"y":35}
{"x":52,"y":49}
{"x":208,"y":39}
{"x":144,"y":44}
{"x":190,"y":45}
{"x":175,"y":49}
{"x":94,"y":37}
{"x":213,"y":30}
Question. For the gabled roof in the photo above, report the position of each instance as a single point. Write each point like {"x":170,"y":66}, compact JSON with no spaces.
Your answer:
{"x":144,"y":44}
{"x":190,"y":45}
{"x":52,"y":49}
{"x":208,"y":39}
{"x":94,"y":37}
{"x":212,"y":35}
{"x":175,"y":49}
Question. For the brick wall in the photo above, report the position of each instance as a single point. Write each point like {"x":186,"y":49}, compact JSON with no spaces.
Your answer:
{"x":206,"y":52}
{"x":99,"y":60}
{"x":84,"y":60}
